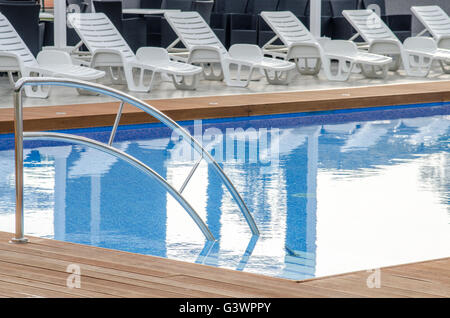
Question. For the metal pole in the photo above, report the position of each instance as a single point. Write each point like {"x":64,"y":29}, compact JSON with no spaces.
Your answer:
{"x":60,"y":35}
{"x":315,"y":18}
{"x":116,"y":124}
{"x":18,"y":139}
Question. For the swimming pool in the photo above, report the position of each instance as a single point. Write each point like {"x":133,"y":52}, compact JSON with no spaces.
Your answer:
{"x":331,"y":192}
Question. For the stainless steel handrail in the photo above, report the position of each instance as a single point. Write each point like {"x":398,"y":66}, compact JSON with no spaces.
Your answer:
{"x":131,"y":160}
{"x":124,"y":98}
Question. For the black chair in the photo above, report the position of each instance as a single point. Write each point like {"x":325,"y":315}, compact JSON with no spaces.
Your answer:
{"x":153,"y":22}
{"x":151,"y":4}
{"x":159,"y":32}
{"x":204,"y":8}
{"x":183,"y":5}
{"x":400,"y":24}
{"x":219,"y":21}
{"x":133,"y":30}
{"x":244,"y":27}
{"x":341,"y":28}
{"x":24,"y":16}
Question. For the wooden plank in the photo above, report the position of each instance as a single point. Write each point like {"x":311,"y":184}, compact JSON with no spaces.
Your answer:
{"x":38,"y":269}
{"x":103,"y":114}
{"x":100,"y":278}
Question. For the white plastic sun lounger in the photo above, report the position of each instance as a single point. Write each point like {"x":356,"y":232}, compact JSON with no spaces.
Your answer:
{"x":16,"y":57}
{"x":302,"y":47}
{"x":416,"y":53}
{"x":436,"y":22}
{"x":109,"y":50}
{"x":206,"y":49}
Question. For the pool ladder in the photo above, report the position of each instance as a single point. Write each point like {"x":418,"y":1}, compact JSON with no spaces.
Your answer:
{"x":19,"y":136}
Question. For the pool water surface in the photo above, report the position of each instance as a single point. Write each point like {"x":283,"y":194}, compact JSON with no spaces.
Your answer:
{"x":330,"y":192}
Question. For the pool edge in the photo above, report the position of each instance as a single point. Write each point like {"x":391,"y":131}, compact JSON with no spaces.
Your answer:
{"x":211,"y":107}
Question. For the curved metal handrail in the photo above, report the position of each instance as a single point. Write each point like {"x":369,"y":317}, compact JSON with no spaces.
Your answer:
{"x":124,"y":98}
{"x":131,"y":160}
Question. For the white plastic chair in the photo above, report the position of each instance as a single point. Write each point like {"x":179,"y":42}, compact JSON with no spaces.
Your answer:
{"x":207,"y":50}
{"x":109,"y":50}
{"x":304,"y":48}
{"x":16,"y":57}
{"x":416,"y":53}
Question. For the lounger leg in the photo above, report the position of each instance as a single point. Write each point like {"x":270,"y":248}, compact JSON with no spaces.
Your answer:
{"x":343,"y":72}
{"x":35,"y":91}
{"x":417,"y":65}
{"x":279,"y":78}
{"x":237,"y":81}
{"x":304,"y":68}
{"x":185,"y":82}
{"x":444,"y":65}
{"x":209,"y":71}
{"x":396,"y":62}
{"x":373,"y":71}
{"x":140,"y":86}
{"x":118,"y":76}
{"x":258,"y":74}
{"x":12,"y":81}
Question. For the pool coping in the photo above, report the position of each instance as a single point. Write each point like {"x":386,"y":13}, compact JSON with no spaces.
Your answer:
{"x":103,"y":114}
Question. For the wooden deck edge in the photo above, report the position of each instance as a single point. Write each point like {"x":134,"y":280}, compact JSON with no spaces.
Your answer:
{"x":398,"y":266}
{"x":103,"y":114}
{"x":40,"y":267}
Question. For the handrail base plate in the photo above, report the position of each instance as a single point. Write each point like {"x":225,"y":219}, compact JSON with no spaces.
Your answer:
{"x":22,"y":240}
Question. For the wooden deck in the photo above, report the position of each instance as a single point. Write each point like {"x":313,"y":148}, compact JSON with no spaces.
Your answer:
{"x":38,"y":269}
{"x":103,"y":114}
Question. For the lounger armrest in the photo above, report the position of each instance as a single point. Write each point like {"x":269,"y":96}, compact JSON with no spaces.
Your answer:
{"x":204,"y":48}
{"x":231,"y":60}
{"x":420,"y":46}
{"x":115,"y":57}
{"x":204,"y":53}
{"x":108,"y":51}
{"x":443,"y":41}
{"x":10,"y":54}
{"x":9,"y":61}
{"x":52,"y":57}
{"x":385,"y":46}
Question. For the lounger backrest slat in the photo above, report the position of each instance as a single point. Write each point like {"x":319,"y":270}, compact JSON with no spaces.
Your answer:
{"x":192,"y":30}
{"x":434,"y":19}
{"x":369,"y":25}
{"x":98,"y":32}
{"x":11,"y":42}
{"x":288,"y":27}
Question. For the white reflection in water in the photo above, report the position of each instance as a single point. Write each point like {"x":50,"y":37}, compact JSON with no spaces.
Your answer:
{"x":381,"y":219}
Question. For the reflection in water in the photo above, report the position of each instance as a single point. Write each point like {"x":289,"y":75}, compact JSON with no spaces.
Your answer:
{"x":340,"y":194}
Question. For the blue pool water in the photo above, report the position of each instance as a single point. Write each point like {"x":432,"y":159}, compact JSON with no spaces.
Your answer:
{"x":330,"y":192}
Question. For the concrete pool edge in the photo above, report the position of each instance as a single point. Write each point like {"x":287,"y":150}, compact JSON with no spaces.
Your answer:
{"x":103,"y":114}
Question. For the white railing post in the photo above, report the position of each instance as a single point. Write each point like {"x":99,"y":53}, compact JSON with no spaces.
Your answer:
{"x":315,"y":18}
{"x":60,"y":32}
